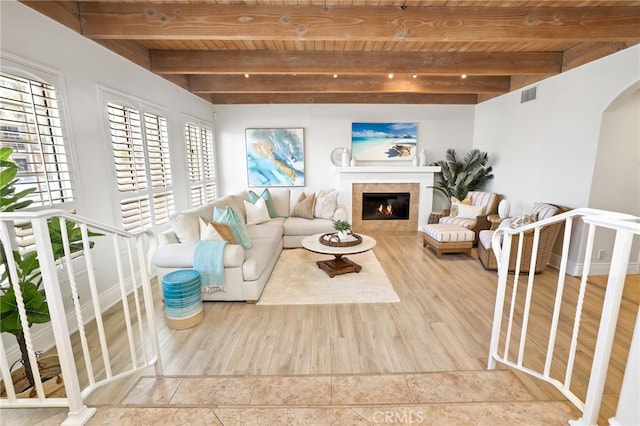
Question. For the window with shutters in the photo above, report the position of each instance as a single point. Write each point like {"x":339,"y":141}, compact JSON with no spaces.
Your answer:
{"x":201,"y":163}
{"x":32,"y":125}
{"x":140,"y":143}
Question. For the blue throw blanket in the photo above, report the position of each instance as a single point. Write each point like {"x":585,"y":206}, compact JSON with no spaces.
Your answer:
{"x":208,"y":260}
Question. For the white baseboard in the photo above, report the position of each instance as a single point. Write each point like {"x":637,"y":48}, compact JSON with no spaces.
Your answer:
{"x":598,"y":268}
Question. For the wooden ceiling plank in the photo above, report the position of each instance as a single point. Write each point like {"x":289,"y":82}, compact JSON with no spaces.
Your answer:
{"x":464,"y":24}
{"x":436,"y":63}
{"x":346,"y":84}
{"x":502,"y":45}
{"x":355,"y":46}
{"x":342,"y":98}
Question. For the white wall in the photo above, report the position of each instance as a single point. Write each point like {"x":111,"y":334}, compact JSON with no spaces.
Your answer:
{"x":545,"y":150}
{"x":616,"y":183}
{"x":30,"y":38}
{"x":328,"y":127}
{"x":616,"y":175}
{"x":561,"y":147}
{"x":85,"y":66}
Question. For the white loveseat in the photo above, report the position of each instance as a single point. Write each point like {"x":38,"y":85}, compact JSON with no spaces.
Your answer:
{"x":246,"y":271}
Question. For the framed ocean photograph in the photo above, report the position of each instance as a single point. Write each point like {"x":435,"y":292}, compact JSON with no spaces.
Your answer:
{"x":383,"y":141}
{"x":275,"y":157}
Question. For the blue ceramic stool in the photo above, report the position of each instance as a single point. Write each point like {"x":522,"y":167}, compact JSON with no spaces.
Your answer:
{"x":182,"y":299}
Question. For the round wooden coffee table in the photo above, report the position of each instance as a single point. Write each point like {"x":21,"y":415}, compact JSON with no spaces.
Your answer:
{"x":339,"y":264}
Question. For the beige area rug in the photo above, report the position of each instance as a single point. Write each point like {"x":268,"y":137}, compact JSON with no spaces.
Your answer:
{"x":297,"y":280}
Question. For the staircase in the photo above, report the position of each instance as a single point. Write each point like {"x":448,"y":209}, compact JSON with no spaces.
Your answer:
{"x":93,"y":364}
{"x":505,"y":394}
{"x":513,"y":345}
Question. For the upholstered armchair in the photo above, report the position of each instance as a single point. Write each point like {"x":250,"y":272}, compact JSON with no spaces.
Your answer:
{"x":473,"y":215}
{"x":548,"y":236}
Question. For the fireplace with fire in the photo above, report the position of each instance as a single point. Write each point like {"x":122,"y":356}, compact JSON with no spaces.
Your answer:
{"x":385,"y":205}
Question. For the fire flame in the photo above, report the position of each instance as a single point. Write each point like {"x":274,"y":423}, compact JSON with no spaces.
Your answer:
{"x":386,"y":211}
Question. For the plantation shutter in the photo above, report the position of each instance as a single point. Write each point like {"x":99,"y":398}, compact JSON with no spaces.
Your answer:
{"x":158,"y":150}
{"x":194,"y":165}
{"x":143,"y":166}
{"x":209,"y":164}
{"x":31,"y":124}
{"x":200,"y":163}
{"x":128,"y":148}
{"x":136,"y":213}
{"x":160,"y":166}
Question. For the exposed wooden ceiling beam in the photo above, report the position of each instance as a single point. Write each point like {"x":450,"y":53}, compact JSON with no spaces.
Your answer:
{"x":285,"y":62}
{"x":462,"y":24}
{"x":129,"y":49}
{"x":583,"y":53}
{"x":500,"y":45}
{"x":341,"y":98}
{"x":347,"y":84}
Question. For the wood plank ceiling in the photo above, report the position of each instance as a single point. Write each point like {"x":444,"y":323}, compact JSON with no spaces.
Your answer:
{"x":353,"y":51}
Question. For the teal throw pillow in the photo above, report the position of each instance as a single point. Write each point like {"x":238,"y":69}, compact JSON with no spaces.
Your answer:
{"x":266,"y":196}
{"x":232,"y":219}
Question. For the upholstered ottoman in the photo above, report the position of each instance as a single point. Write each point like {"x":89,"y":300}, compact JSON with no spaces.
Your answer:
{"x":443,"y":238}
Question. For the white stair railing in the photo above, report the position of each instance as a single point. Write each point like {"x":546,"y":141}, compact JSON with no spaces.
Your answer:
{"x":625,"y":228}
{"x":94,"y":368}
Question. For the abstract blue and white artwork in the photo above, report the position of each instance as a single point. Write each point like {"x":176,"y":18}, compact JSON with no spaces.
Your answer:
{"x":383,"y":141}
{"x":275,"y":157}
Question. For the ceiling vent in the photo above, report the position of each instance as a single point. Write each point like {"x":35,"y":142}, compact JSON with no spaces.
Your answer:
{"x":528,"y":94}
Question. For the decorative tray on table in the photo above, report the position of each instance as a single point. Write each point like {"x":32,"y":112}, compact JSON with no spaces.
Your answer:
{"x":331,"y":239}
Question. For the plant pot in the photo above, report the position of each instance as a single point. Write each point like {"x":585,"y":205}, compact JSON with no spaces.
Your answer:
{"x":343,"y":235}
{"x":51,"y":376}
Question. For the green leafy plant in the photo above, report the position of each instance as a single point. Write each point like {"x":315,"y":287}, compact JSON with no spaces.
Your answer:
{"x":27,"y":265}
{"x":341,"y":225}
{"x":10,"y":200}
{"x":457,"y":177}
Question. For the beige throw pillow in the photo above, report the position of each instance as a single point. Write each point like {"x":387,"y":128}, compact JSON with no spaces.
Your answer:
{"x":455,"y":203}
{"x":186,"y":227}
{"x":257,"y":213}
{"x":208,"y":231}
{"x":470,"y":212}
{"x":326,"y":204}
{"x":525,"y":219}
{"x":223,"y":231}
{"x":304,"y":206}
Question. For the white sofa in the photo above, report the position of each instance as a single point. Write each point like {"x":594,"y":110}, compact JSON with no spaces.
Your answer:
{"x":246,"y":271}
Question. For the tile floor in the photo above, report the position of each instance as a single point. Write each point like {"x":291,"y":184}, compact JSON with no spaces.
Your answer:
{"x":455,"y":398}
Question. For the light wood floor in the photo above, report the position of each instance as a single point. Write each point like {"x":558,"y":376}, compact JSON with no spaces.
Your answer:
{"x":442,"y":323}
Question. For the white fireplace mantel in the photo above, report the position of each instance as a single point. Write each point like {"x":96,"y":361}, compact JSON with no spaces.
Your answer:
{"x":424,"y":176}
{"x":388,"y":169}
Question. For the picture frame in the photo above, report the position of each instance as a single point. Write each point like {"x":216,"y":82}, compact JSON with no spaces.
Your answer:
{"x":384,"y":141}
{"x":275,"y":156}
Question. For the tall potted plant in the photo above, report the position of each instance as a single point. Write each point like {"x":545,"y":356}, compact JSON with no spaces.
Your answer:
{"x":457,"y":177}
{"x":27,"y":264}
